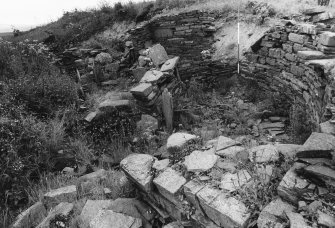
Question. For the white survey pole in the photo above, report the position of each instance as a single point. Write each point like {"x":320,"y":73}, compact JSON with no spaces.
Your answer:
{"x":238,"y":38}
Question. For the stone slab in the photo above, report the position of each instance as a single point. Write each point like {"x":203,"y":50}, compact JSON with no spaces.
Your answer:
{"x":160,"y":165}
{"x":56,"y":196}
{"x":138,"y":168}
{"x":142,"y":90}
{"x":233,"y":152}
{"x":108,"y":105}
{"x":225,"y":142}
{"x":325,"y":219}
{"x":308,"y":55}
{"x":109,"y":218}
{"x":232,"y":182}
{"x":178,"y":140}
{"x":327,"y":39}
{"x":288,"y":150}
{"x":296,"y":220}
{"x":298,"y":38}
{"x":170,"y":65}
{"x":323,"y":172}
{"x":91,"y":209}
{"x":292,"y":186}
{"x":152,"y":76}
{"x":200,"y":161}
{"x":191,"y":189}
{"x":169,"y":183}
{"x":263,"y":153}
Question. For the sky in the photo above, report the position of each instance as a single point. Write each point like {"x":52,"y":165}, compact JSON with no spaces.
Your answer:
{"x":26,"y":14}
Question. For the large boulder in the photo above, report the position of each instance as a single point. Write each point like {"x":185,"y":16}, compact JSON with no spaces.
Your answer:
{"x":138,"y":168}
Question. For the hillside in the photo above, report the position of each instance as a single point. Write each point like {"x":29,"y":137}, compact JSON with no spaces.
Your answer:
{"x":146,"y":115}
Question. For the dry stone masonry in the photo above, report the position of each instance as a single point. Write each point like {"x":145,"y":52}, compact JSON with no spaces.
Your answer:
{"x":298,"y":60}
{"x":185,"y":35}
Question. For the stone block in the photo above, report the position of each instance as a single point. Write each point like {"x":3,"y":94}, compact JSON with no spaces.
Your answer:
{"x":169,"y":183}
{"x":327,"y":39}
{"x":308,"y":55}
{"x":298,"y":38}
{"x":327,"y":128}
{"x":232,"y":182}
{"x":322,"y":17}
{"x":296,"y":220}
{"x":200,"y":161}
{"x":91,"y":209}
{"x":139,"y":73}
{"x":291,"y":57}
{"x":191,"y":189}
{"x":30,"y":217}
{"x":111,"y":105}
{"x":142,"y":90}
{"x":109,"y":218}
{"x":288,"y":48}
{"x":308,"y":29}
{"x":178,"y":140}
{"x":318,"y":145}
{"x":325,"y":219}
{"x":158,"y":55}
{"x":161,"y":165}
{"x":228,"y":212}
{"x":273,"y":214}
{"x":234,"y":152}
{"x":297,"y":70}
{"x":288,"y":150}
{"x":322,"y":172}
{"x":170,"y":65}
{"x":152,"y":76}
{"x":270,"y":61}
{"x":292,"y":186}
{"x":138,"y":168}
{"x":56,"y":196}
{"x":225,"y":142}
{"x":263,"y":154}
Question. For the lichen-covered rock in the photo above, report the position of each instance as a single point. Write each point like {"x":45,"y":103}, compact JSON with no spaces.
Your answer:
{"x":30,"y":217}
{"x":64,"y":194}
{"x":91,"y":209}
{"x":169,"y":183}
{"x":273,"y":214}
{"x":138,"y":168}
{"x":177,"y":140}
{"x":200,"y":161}
{"x":109,"y":218}
{"x":263,"y":153}
{"x":292,"y":186}
{"x":232,"y":182}
{"x":224,"y":142}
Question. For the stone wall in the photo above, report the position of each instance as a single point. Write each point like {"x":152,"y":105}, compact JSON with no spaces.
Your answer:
{"x":298,"y":61}
{"x":185,"y":35}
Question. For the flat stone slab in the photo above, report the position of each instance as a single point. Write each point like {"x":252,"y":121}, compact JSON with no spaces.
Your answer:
{"x":200,"y":161}
{"x":327,"y":39}
{"x":228,"y":212}
{"x":325,"y":219}
{"x":234,"y":152}
{"x":142,"y":90}
{"x":138,"y":168}
{"x":63,"y":208}
{"x":326,"y":64}
{"x":273,"y":214}
{"x":268,"y":125}
{"x":161,"y":164}
{"x":308,"y":55}
{"x":298,"y":38}
{"x":292,"y":186}
{"x":109,"y":218}
{"x":225,"y":142}
{"x":263,"y":153}
{"x":296,"y":220}
{"x":31,"y":217}
{"x":152,"y":76}
{"x":327,"y":128}
{"x":313,"y":11}
{"x":288,"y":150}
{"x":113,"y":104}
{"x":308,"y":29}
{"x":178,"y":140}
{"x":170,"y":64}
{"x":323,"y":172}
{"x":169,"y":183}
{"x":322,"y":17}
{"x":91,"y":209}
{"x":232,"y":182}
{"x":318,"y":145}
{"x":64,"y":194}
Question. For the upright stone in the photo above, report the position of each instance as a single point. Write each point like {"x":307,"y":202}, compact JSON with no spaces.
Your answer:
{"x":138,"y":168}
{"x":158,"y":55}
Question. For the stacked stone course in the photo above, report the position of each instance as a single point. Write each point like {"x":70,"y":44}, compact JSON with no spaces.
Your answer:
{"x":185,"y":35}
{"x":296,"y":60}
